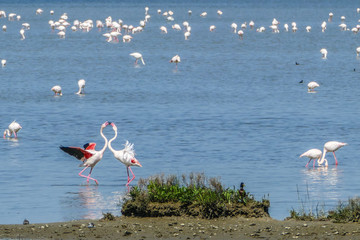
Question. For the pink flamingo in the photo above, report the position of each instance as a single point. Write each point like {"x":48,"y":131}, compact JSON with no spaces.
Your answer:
{"x":125,"y":156}
{"x":88,"y":155}
{"x":331,"y":146}
{"x":312,"y":154}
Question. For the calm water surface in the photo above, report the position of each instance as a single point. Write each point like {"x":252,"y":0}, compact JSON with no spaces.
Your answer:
{"x":233,"y":109}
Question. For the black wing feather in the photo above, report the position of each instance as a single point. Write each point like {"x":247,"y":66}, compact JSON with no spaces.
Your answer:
{"x":74,"y":151}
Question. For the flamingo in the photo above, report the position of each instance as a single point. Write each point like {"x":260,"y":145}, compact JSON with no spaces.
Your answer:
{"x":187,"y":35}
{"x":212,"y":28}
{"x":4,"y":28}
{"x":88,"y":155}
{"x":57,"y":90}
{"x":331,"y":15}
{"x":323,"y":26}
{"x":219,"y":12}
{"x":22,"y":33}
{"x":312,"y":85}
{"x":234,"y":27}
{"x":312,"y":154}
{"x":3,"y":62}
{"x":81,"y":84}
{"x":163,"y":29}
{"x":323,"y":51}
{"x":125,"y":156}
{"x":357,"y":51}
{"x":137,"y":56}
{"x":175,"y":59}
{"x":308,"y":28}
{"x":241,"y":34}
{"x":127,"y":38}
{"x":203,"y":14}
{"x":13,"y":128}
{"x":331,"y":146}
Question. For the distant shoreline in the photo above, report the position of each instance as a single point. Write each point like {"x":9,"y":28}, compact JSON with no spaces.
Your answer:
{"x":183,"y":228}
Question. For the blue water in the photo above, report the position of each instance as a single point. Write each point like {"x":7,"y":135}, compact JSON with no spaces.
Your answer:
{"x":233,"y":109}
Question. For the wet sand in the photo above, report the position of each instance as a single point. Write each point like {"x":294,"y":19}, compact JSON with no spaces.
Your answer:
{"x":184,"y":228}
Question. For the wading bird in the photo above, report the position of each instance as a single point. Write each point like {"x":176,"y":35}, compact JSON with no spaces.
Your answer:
{"x":312,"y":154}
{"x":331,"y":146}
{"x":137,"y":56}
{"x":13,"y":128}
{"x":88,"y":155}
{"x":312,"y":85}
{"x":81,"y":84}
{"x":175,"y":59}
{"x":57,"y":90}
{"x":125,"y":156}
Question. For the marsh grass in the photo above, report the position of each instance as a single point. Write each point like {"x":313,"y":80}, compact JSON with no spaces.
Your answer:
{"x":307,"y":211}
{"x":344,"y":212}
{"x":194,"y":195}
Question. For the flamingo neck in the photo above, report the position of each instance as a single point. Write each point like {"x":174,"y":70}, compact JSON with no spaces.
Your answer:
{"x":323,"y":157}
{"x":106,"y":141}
{"x":110,"y":147}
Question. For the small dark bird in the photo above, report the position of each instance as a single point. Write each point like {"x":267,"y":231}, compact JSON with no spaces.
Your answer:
{"x":296,"y":63}
{"x":354,"y":70}
{"x":302,"y":81}
{"x":26,"y":222}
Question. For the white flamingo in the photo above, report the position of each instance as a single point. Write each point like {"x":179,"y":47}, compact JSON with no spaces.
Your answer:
{"x":57,"y":90}
{"x":187,"y":35}
{"x":331,"y":146}
{"x":312,"y":154}
{"x":125,"y":156}
{"x":357,"y":51}
{"x":137,"y":56}
{"x":13,"y":128}
{"x":22,"y":33}
{"x":212,"y":28}
{"x":234,"y":27}
{"x":175,"y":59}
{"x":324,"y":52}
{"x":3,"y":62}
{"x":88,"y":155}
{"x":81,"y":84}
{"x":163,"y":29}
{"x":312,"y":85}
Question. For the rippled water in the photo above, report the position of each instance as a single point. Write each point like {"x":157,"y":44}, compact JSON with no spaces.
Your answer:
{"x":233,"y":109}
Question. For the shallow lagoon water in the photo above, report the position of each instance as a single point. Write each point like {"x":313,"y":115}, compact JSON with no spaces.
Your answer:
{"x":233,"y":109}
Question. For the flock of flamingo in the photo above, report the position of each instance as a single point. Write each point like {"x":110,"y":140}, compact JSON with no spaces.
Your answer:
{"x":88,"y":155}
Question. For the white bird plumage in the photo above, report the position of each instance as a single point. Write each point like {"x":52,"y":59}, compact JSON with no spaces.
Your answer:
{"x":81,"y":84}
{"x":324,"y":52}
{"x":331,"y":146}
{"x":13,"y":128}
{"x":312,"y":85}
{"x":126,"y":156}
{"x":312,"y":154}
{"x":137,"y":56}
{"x":57,"y":90}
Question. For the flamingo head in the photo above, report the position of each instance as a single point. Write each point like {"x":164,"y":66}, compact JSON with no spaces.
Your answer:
{"x":104,"y":124}
{"x":113,"y":126}
{"x":135,"y":162}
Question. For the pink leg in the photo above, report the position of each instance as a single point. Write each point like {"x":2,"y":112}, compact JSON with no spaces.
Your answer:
{"x":314,"y":164}
{"x":308,"y":163}
{"x":15,"y":135}
{"x":336,"y":162}
{"x":88,"y":177}
{"x":129,"y":180}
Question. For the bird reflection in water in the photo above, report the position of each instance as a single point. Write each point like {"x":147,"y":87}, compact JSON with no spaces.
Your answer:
{"x":94,"y":204}
{"x":322,"y":183}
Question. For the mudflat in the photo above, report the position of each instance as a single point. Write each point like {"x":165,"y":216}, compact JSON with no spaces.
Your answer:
{"x":183,"y":228}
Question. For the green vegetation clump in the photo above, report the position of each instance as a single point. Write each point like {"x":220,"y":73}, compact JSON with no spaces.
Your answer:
{"x":194,"y":195}
{"x":345,"y":212}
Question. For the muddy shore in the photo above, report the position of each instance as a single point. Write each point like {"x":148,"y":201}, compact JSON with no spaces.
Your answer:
{"x":183,"y":228}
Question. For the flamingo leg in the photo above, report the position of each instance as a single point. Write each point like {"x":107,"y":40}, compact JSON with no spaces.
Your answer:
{"x":16,"y":137}
{"x":130,"y":180}
{"x":308,"y":163}
{"x":314,"y":163}
{"x":336,"y":161}
{"x":88,"y":177}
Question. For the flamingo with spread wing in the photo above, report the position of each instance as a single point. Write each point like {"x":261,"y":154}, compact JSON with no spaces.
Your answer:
{"x":88,"y":155}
